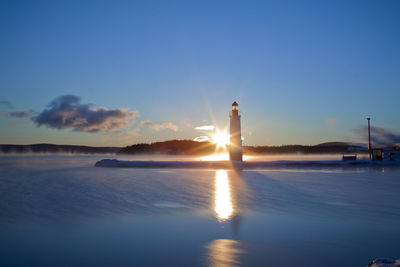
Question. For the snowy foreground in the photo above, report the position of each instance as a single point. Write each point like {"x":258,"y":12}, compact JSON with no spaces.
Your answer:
{"x":114,"y":163}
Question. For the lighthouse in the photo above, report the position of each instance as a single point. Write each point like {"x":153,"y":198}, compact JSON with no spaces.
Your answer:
{"x":235,"y":146}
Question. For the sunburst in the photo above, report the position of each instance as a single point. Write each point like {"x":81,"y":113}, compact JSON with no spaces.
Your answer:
{"x":220,"y":138}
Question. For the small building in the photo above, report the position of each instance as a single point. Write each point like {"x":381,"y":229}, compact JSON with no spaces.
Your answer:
{"x":377,"y":154}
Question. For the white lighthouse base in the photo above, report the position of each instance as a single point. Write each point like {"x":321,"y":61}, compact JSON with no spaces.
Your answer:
{"x":236,"y":155}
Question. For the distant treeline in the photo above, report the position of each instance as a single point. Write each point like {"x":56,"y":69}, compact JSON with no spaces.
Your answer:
{"x":50,"y":148}
{"x":189,"y":147}
{"x":172,"y":147}
{"x":182,"y":147}
{"x":316,"y":149}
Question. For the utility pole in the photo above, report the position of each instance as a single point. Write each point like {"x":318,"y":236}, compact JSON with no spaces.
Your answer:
{"x":369,"y":139}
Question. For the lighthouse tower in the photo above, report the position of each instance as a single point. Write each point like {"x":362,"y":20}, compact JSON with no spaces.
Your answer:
{"x":235,"y":147}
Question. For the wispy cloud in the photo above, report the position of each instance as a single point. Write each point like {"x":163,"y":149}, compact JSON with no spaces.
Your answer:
{"x":68,"y":112}
{"x":6,"y":104}
{"x":23,"y":114}
{"x":159,"y":126}
{"x":205,"y":128}
{"x":202,"y":138}
{"x":379,"y":135}
{"x":125,"y":133}
{"x":146,"y":123}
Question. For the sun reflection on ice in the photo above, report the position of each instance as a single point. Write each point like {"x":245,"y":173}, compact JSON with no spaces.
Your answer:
{"x":223,"y":200}
{"x":224,"y":252}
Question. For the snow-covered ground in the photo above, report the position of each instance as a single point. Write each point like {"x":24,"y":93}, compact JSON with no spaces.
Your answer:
{"x":382,"y":262}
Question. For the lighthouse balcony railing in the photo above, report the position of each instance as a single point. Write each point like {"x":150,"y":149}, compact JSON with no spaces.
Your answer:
{"x":239,"y":113}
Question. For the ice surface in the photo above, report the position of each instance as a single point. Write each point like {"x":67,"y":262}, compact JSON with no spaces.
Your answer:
{"x":112,"y":163}
{"x":62,"y":211}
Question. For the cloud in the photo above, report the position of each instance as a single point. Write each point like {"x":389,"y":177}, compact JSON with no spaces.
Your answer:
{"x":146,"y":123}
{"x":68,"y":112}
{"x":22,"y":114}
{"x":19,"y":114}
{"x":159,"y":126}
{"x":205,"y":128}
{"x":7,"y":104}
{"x":379,"y":136}
{"x":202,"y":138}
{"x":126,"y":134}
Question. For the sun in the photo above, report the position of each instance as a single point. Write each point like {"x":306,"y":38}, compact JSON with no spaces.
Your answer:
{"x":221,"y":138}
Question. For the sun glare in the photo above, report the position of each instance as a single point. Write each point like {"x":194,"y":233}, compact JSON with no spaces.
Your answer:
{"x":216,"y":157}
{"x":220,"y":138}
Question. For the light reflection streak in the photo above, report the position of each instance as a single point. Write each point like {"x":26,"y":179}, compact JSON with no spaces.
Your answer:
{"x":223,"y":200}
{"x":224,"y":252}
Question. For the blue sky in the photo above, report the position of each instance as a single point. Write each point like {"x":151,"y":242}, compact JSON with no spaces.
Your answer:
{"x":303,"y":72}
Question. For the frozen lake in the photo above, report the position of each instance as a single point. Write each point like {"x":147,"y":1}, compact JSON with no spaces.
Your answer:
{"x":63,"y":211}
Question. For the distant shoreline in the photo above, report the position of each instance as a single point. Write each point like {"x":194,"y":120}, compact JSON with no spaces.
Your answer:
{"x":56,"y":149}
{"x":184,"y":147}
